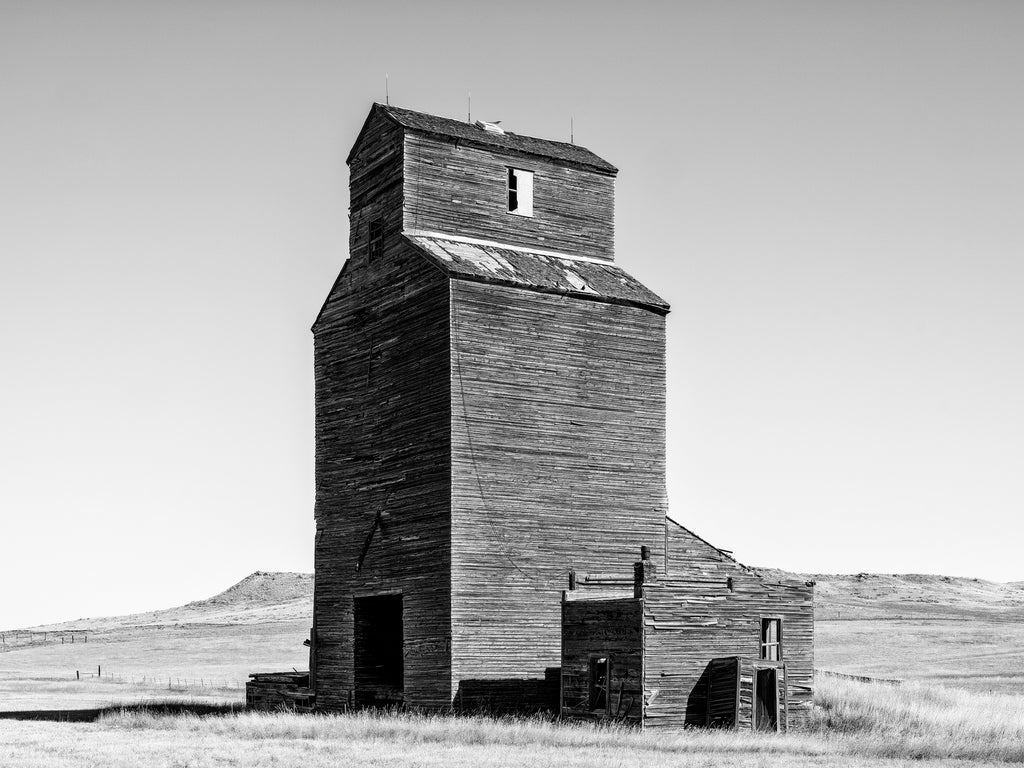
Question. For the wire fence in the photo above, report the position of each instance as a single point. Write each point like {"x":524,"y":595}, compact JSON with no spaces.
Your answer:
{"x":169,"y":682}
{"x":17,"y":639}
{"x":21,"y":638}
{"x":858,"y":678}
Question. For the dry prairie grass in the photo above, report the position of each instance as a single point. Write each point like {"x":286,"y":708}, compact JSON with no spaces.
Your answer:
{"x":43,"y":676}
{"x":856,"y":724}
{"x":919,"y":721}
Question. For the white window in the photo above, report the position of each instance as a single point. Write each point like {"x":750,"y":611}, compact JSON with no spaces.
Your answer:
{"x":771,"y":639}
{"x":520,"y":192}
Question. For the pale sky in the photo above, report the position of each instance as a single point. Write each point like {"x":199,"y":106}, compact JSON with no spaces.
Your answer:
{"x":829,"y":194}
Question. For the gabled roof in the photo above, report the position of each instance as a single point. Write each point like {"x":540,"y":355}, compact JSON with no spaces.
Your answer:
{"x":546,"y":272}
{"x":463,"y":131}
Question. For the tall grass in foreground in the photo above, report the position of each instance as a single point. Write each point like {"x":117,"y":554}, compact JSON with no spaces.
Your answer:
{"x":918,"y":720}
{"x":850,"y":718}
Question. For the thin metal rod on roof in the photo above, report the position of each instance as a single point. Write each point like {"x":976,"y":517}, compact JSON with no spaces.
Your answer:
{"x":387,"y":95}
{"x":571,"y":132}
{"x":469,"y":107}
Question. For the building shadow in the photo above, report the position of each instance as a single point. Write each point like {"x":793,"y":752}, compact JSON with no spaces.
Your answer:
{"x":697,"y":701}
{"x":92,"y":715}
{"x":510,"y":695}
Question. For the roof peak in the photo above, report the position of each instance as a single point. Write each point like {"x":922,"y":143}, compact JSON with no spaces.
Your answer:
{"x":559,"y":151}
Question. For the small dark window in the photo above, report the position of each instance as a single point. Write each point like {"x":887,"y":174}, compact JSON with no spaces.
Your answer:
{"x":771,"y":639}
{"x":599,"y":674}
{"x":520,"y":192}
{"x":376,"y":240}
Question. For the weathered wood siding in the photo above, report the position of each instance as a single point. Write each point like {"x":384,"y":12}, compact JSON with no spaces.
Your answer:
{"x":376,"y":186}
{"x":708,"y":607}
{"x":558,"y":464}
{"x":461,"y":189}
{"x":610,"y":628}
{"x":382,"y":444}
{"x":274,"y":691}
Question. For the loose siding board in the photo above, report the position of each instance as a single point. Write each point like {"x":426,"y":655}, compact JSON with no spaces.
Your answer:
{"x":558,"y":463}
{"x":279,"y":690}
{"x":461,"y":190}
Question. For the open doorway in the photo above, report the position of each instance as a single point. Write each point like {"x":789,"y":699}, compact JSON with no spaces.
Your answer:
{"x":379,"y":671}
{"x":766,"y":700}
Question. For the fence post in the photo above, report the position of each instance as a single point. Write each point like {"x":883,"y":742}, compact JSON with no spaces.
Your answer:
{"x":98,"y":670}
{"x":78,"y":676}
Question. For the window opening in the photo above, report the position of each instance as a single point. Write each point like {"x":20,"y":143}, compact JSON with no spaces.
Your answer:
{"x":771,"y":639}
{"x":599,"y":674}
{"x":376,"y":240}
{"x":520,"y":192}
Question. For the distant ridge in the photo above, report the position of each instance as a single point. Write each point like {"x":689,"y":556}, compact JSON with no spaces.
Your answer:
{"x":262,"y":588}
{"x":260,"y":597}
{"x":911,"y":596}
{"x":268,"y":596}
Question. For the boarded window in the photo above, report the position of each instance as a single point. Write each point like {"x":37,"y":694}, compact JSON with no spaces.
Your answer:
{"x":771,"y":639}
{"x":376,"y":240}
{"x":520,"y":192}
{"x":599,"y":674}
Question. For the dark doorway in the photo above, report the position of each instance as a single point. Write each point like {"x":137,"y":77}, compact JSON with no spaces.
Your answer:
{"x":766,"y":700}
{"x":379,"y":672}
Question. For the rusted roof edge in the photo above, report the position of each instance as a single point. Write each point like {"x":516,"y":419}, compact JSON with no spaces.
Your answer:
{"x":660,"y":309}
{"x":471,"y":278}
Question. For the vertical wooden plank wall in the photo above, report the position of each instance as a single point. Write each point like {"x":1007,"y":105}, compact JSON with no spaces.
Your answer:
{"x":460,"y":189}
{"x":558,"y":463}
{"x":382,"y":442}
{"x":723,"y":692}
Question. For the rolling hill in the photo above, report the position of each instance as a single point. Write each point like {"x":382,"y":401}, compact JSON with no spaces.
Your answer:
{"x":260,"y":597}
{"x":954,"y":631}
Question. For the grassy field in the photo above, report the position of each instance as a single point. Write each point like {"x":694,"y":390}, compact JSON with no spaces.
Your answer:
{"x":857,"y":725}
{"x":202,"y":661}
{"x":201,"y":651}
{"x":977,"y":655}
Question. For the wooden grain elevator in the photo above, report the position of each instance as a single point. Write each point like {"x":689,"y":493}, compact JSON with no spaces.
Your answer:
{"x":490,"y":447}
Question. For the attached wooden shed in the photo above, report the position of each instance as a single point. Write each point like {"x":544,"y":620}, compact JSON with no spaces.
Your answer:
{"x":707,"y":643}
